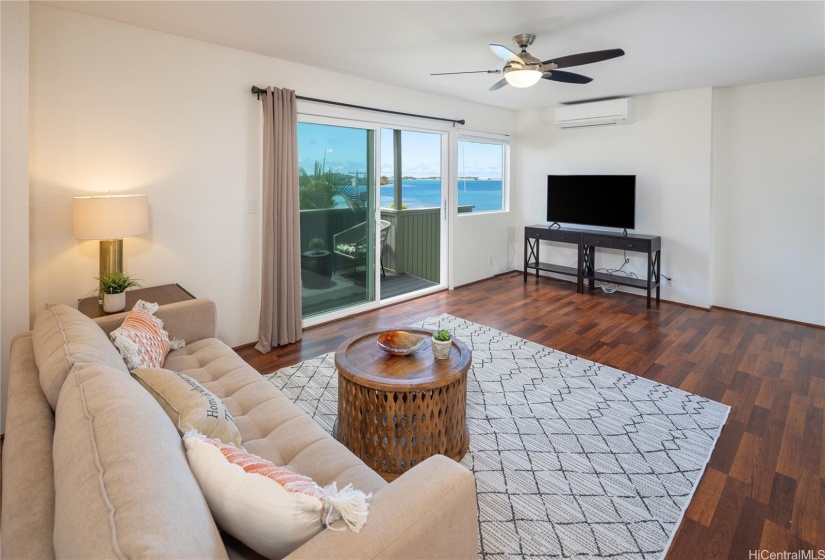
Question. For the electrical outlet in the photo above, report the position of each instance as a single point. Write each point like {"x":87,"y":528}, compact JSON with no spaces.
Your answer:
{"x":670,"y":282}
{"x":490,"y":260}
{"x":251,"y":205}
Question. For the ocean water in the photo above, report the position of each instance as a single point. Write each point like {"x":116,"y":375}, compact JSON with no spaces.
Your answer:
{"x":426,"y":193}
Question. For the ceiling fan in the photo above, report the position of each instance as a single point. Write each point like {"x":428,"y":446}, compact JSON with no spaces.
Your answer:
{"x":523,"y":70}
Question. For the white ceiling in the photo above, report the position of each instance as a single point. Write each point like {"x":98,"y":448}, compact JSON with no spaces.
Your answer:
{"x":669,"y":45}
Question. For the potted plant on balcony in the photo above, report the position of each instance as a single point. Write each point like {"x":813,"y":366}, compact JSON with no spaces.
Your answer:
{"x":315,"y":270}
{"x":442,"y":342}
{"x":316,"y":246}
{"x":113,"y":288}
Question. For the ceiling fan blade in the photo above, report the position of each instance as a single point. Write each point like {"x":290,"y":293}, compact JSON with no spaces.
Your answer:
{"x":504,"y":53}
{"x":498,"y":85}
{"x":584,"y":58}
{"x":471,"y":72}
{"x":566,"y":77}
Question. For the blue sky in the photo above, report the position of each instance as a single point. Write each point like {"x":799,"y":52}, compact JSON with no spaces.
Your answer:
{"x":344,"y":150}
{"x":421,"y":153}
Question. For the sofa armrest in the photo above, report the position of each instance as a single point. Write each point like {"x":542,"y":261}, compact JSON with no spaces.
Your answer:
{"x":428,"y":512}
{"x":28,"y":471}
{"x":189,"y":320}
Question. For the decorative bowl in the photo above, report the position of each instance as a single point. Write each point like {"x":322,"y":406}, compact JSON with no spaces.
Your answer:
{"x":400,"y":343}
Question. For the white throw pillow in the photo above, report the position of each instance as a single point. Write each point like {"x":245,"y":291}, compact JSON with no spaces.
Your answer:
{"x":269,"y":508}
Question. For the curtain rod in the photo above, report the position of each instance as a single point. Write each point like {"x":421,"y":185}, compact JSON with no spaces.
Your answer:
{"x":258,"y":91}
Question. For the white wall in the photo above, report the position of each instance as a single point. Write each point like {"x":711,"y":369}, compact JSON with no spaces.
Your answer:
{"x":769,"y":199}
{"x":137,"y":111}
{"x":14,"y":177}
{"x":483,"y":246}
{"x":668,"y":148}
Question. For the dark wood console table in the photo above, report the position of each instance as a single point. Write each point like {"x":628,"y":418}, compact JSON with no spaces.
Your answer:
{"x":585,"y":269}
{"x":162,"y":295}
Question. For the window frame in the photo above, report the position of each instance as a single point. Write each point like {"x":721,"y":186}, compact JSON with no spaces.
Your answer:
{"x":336,"y":116}
{"x":487,"y":138}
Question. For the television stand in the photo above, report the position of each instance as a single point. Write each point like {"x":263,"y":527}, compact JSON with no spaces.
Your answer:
{"x":587,"y":241}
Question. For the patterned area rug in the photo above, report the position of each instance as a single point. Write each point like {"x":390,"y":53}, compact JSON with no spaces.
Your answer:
{"x":572,"y":459}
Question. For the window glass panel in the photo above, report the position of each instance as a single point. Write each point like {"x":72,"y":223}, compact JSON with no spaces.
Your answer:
{"x":335,"y":182}
{"x":411,"y":193}
{"x":481,"y":176}
{"x":420,"y":168}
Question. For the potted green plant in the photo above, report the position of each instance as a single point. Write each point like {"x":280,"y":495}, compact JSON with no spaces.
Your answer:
{"x":316,"y":245}
{"x":113,"y":288}
{"x":316,"y":272}
{"x":442,"y":342}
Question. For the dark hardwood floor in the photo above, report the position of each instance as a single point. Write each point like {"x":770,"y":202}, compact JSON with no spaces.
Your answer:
{"x":764,"y":488}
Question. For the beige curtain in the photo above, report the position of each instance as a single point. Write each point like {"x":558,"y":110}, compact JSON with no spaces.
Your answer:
{"x":280,"y":321}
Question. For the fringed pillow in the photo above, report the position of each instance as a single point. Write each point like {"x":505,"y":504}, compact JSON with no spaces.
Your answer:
{"x":269,"y":508}
{"x":141,"y":339}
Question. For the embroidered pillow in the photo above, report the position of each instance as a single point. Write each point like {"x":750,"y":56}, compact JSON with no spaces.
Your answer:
{"x":269,"y":508}
{"x":189,"y":404}
{"x":141,"y":340}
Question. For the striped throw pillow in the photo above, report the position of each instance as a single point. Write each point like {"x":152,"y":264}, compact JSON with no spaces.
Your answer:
{"x":250,"y":463}
{"x":141,"y":339}
{"x":271,"y":509}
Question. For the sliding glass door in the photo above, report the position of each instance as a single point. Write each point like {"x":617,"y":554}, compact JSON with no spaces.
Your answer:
{"x":361,"y":244}
{"x":336,"y":191}
{"x":412,"y":203}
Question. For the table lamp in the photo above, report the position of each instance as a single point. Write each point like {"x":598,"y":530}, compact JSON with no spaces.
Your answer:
{"x":109,"y":219}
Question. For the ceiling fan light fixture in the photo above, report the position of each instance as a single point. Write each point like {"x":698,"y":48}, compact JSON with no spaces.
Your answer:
{"x":524,"y":70}
{"x":523,"y":78}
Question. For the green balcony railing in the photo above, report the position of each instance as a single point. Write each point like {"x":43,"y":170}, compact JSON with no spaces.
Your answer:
{"x":413,"y":242}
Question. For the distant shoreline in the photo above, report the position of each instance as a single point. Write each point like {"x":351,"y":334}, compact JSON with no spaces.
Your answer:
{"x":483,"y":194}
{"x":404,"y":179}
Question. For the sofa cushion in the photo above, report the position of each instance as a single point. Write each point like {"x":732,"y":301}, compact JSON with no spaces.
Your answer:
{"x":62,"y":337}
{"x":271,"y":426}
{"x":123,"y":487}
{"x":28,"y":471}
{"x":188,"y":404}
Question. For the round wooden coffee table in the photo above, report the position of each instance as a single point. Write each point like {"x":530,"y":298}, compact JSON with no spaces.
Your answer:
{"x":396,"y":411}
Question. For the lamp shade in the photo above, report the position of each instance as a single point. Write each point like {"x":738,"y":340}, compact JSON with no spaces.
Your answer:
{"x":110,"y":217}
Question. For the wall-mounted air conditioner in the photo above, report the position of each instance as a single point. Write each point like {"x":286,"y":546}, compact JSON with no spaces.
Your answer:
{"x":598,"y":113}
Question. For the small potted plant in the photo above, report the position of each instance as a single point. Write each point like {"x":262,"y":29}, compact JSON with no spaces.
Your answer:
{"x":442,"y":342}
{"x":113,"y":288}
{"x":316,"y":272}
{"x":316,"y":245}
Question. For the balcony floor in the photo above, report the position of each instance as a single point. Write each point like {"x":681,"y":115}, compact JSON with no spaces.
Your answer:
{"x":398,"y":284}
{"x":321,"y":294}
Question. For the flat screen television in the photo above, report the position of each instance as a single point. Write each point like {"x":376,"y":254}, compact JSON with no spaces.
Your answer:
{"x":592,"y":200}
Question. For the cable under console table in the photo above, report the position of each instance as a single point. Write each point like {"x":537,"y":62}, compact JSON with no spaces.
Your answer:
{"x":585,"y":269}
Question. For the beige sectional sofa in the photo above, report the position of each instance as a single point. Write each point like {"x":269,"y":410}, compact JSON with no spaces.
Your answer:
{"x":93,"y":467}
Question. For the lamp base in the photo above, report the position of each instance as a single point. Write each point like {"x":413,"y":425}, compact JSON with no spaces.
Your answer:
{"x":111,"y":259}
